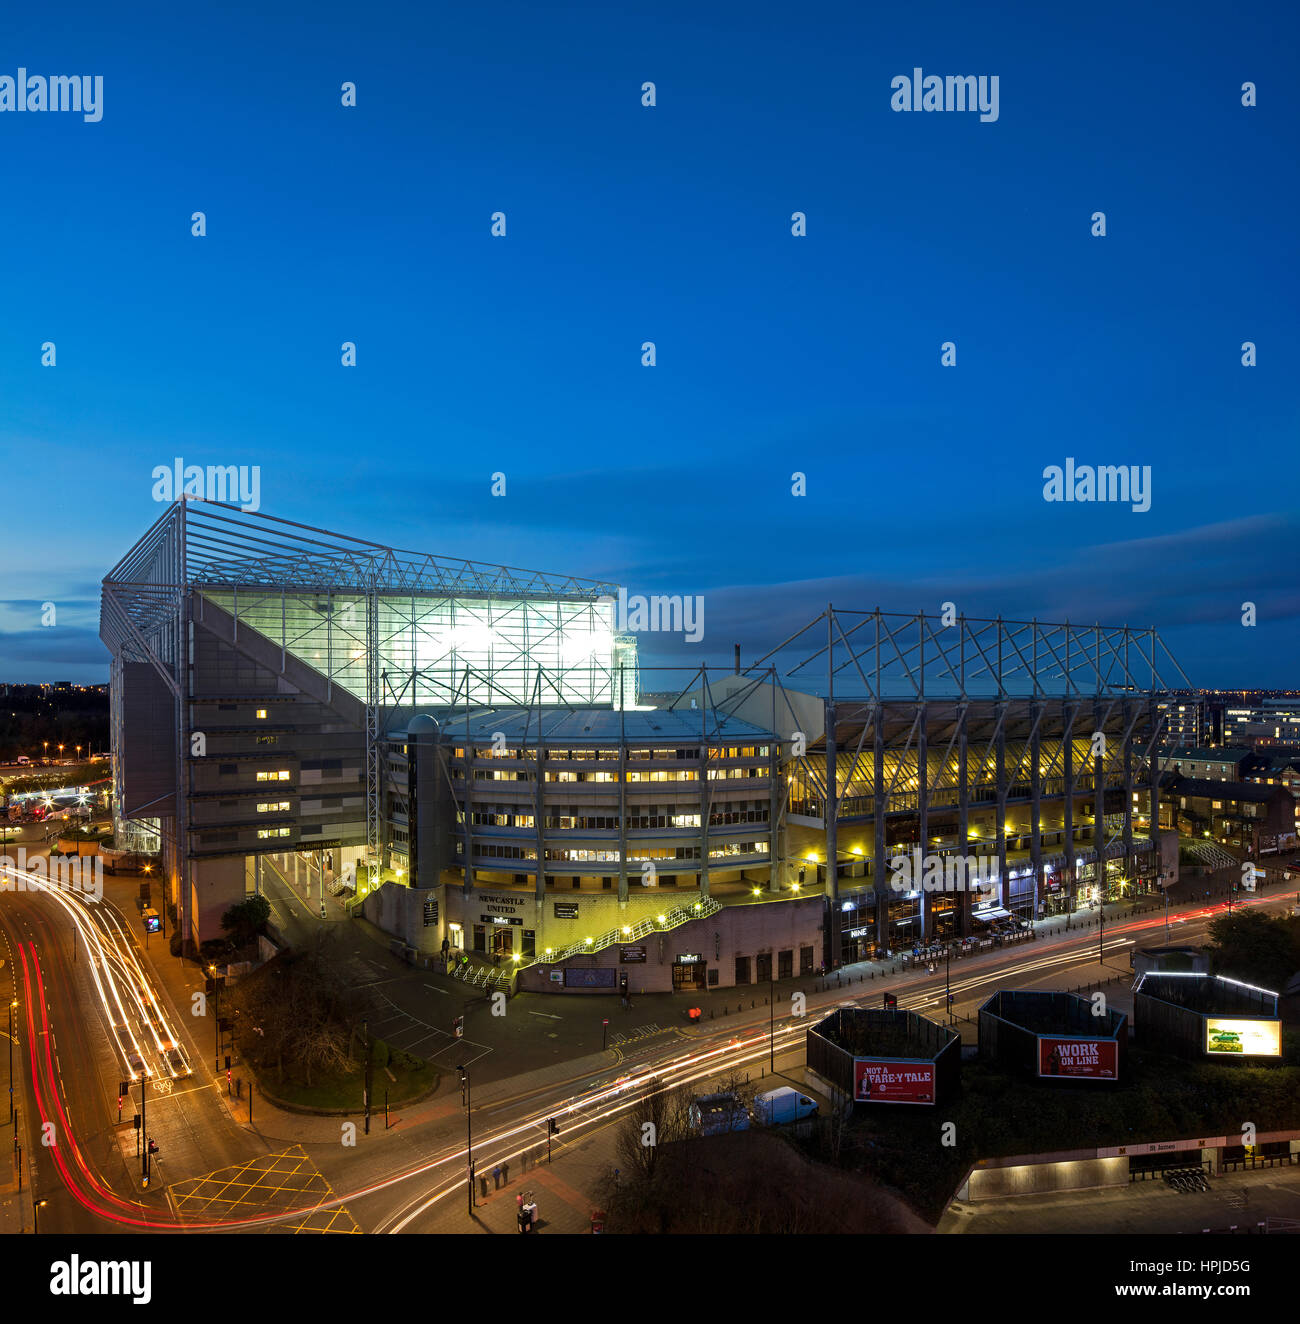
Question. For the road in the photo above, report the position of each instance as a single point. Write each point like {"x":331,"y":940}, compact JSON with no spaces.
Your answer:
{"x":411,"y":1177}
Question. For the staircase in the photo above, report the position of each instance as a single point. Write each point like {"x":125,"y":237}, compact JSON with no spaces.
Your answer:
{"x":674,"y":919}
{"x":1214,"y":856}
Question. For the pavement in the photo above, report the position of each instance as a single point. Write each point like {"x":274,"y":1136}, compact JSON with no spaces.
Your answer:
{"x":1237,"y":1201}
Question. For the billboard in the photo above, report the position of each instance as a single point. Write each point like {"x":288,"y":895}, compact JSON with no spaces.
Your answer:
{"x":876,"y":1081}
{"x":1223,"y":1035}
{"x":1080,"y":1059}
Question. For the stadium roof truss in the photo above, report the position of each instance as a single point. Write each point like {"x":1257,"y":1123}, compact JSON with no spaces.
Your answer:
{"x":370,"y":604}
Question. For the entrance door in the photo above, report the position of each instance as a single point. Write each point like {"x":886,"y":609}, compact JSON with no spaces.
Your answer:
{"x":502,"y":941}
{"x":688,"y":974}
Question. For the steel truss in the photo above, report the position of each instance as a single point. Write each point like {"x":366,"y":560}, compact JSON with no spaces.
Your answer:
{"x":203,"y":546}
{"x":1032,"y":704}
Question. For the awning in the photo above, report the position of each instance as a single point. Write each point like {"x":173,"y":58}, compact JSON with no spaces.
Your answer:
{"x":996,"y":913}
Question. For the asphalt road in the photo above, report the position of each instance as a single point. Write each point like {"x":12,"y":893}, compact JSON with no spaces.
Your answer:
{"x":411,"y":1178}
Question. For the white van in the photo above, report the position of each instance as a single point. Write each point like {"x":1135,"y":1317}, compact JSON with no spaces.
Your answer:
{"x":784,"y":1105}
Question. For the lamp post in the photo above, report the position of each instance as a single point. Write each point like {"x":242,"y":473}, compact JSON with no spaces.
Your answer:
{"x":771,"y":1017}
{"x":12,"y":1007}
{"x":216,"y":1019}
{"x":37,"y":1206}
{"x":365,"y":1028}
{"x":469,"y":1135}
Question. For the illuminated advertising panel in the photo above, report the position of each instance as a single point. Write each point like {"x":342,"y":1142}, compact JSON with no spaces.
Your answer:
{"x":1227,"y":1037}
{"x":892,"y":1082}
{"x":1078,"y":1059}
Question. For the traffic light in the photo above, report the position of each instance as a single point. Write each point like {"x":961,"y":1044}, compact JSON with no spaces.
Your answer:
{"x":552,"y":1126}
{"x":153,"y":1145}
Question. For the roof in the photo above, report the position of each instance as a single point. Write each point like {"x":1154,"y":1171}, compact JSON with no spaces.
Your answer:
{"x":1229,"y":754}
{"x":594,"y":726}
{"x":1249,"y":792}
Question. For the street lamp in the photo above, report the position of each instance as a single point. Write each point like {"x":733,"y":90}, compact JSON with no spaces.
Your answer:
{"x":46,"y":756}
{"x":469,"y":1136}
{"x":37,"y":1206}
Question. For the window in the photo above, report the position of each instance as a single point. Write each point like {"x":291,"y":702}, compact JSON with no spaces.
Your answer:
{"x":281,"y":775}
{"x":742,"y":970}
{"x":763,"y":962}
{"x":805,"y":960}
{"x":264,"y":833}
{"x":261,"y":714}
{"x":273,"y":807}
{"x":785,"y":965}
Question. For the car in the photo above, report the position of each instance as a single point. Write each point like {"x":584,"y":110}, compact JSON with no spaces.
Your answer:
{"x":135,"y":1063}
{"x":175,"y":1061}
{"x":22,"y":761}
{"x":632,"y":1078}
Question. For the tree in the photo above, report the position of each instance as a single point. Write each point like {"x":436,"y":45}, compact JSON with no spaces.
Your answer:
{"x":246,"y":920}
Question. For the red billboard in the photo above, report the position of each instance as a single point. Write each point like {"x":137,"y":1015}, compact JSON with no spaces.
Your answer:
{"x":877,"y":1081}
{"x":1081,"y":1059}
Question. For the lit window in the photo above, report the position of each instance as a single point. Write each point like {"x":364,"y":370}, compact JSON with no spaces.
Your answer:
{"x":261,"y":714}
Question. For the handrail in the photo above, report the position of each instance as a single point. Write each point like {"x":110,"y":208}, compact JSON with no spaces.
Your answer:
{"x":643,"y":928}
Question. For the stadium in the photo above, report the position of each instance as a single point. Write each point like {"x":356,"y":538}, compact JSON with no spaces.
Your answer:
{"x":470,"y":752}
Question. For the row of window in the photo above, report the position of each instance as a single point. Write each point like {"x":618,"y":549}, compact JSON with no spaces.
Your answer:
{"x":576,"y":819}
{"x":584,"y":755}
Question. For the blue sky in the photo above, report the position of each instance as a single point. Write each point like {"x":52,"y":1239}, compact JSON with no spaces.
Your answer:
{"x":626,"y":224}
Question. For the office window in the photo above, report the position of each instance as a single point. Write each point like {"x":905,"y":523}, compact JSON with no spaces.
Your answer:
{"x":261,"y":714}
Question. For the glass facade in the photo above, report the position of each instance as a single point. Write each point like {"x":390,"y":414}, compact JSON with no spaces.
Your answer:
{"x":426,"y":644}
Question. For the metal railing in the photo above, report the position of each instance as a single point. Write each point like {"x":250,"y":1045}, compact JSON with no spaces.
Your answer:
{"x":643,"y":928}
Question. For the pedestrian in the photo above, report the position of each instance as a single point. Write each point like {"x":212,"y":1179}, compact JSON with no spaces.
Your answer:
{"x":496,"y":1178}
